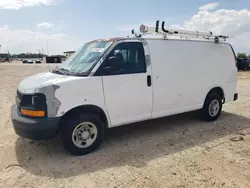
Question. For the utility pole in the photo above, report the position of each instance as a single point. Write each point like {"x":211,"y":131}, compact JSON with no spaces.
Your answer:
{"x":47,"y":45}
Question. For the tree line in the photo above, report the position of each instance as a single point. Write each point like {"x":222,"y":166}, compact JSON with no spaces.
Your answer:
{"x":21,"y":55}
{"x":24,"y":55}
{"x":38,"y":55}
{"x":243,"y":55}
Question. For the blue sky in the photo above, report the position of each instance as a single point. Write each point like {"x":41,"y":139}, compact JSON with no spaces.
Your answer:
{"x":69,"y":23}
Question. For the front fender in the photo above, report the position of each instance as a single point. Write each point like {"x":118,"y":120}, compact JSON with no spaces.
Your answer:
{"x":79,"y":92}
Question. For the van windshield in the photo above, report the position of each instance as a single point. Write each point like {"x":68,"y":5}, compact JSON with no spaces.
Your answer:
{"x":82,"y":61}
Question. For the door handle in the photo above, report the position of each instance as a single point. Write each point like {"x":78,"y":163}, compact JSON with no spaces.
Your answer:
{"x":149,"y":80}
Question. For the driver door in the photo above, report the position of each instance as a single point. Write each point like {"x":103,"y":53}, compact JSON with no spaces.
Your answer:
{"x":127,"y":84}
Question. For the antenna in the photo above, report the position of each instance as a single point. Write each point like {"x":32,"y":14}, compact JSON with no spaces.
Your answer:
{"x":144,"y":29}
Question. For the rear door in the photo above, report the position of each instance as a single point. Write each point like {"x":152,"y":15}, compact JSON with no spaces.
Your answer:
{"x":128,"y":90}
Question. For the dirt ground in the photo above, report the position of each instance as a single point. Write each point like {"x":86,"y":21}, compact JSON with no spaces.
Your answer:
{"x":178,"y":151}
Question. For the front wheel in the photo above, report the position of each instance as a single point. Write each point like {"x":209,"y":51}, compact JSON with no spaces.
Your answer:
{"x":212,"y":107}
{"x":82,"y":134}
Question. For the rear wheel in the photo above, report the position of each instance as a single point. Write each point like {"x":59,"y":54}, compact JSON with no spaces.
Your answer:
{"x":82,"y":134}
{"x":212,"y":107}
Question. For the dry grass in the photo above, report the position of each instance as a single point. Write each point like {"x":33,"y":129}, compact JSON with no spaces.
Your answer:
{"x":178,"y":151}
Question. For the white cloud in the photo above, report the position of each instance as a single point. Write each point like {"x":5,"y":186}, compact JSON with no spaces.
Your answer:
{"x":241,"y":43}
{"x":210,"y":6}
{"x":234,"y":23}
{"x":45,"y":25}
{"x":17,"y":41}
{"x":17,"y":4}
{"x":230,"y":22}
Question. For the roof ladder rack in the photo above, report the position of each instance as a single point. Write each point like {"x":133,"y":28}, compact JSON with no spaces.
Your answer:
{"x":144,"y":29}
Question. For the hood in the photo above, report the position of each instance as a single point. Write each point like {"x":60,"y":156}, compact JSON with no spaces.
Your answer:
{"x":33,"y":83}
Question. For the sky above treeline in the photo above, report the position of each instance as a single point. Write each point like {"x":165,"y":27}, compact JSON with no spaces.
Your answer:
{"x":29,"y":25}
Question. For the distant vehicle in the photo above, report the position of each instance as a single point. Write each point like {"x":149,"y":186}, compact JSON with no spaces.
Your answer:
{"x":30,"y":62}
{"x":242,"y":64}
{"x":248,"y":62}
{"x":5,"y":60}
{"x":25,"y":61}
{"x":117,"y":81}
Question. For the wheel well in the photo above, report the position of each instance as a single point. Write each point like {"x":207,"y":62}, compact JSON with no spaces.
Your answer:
{"x":81,"y":109}
{"x":218,"y":91}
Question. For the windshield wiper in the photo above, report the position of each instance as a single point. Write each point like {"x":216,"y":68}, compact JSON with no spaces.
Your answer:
{"x":79,"y":74}
{"x":61,"y":71}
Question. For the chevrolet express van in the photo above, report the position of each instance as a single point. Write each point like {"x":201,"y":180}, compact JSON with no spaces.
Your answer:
{"x":118,"y":81}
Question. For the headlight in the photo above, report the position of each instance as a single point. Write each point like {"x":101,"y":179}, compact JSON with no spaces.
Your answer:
{"x":38,"y":101}
{"x":33,"y":105}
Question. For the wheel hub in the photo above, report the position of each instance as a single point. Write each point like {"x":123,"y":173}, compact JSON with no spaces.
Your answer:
{"x":214,"y":108}
{"x":84,"y":134}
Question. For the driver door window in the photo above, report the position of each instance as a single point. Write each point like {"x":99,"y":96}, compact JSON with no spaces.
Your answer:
{"x":130,"y":59}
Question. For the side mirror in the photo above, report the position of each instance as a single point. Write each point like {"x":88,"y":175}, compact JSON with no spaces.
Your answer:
{"x":111,"y":64}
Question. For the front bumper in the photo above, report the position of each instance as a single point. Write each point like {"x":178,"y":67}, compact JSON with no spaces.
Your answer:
{"x":34,"y":128}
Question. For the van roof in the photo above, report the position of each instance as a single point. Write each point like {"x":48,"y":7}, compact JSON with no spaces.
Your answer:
{"x":114,"y":39}
{"x":109,"y":39}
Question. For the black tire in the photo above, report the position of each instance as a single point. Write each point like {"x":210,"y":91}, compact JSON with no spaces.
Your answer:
{"x":69,"y":126}
{"x":206,"y":113}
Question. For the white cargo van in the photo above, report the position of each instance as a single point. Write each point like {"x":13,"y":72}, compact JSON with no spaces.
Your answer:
{"x":117,"y":81}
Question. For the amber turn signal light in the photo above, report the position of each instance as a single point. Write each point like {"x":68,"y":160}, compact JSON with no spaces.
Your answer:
{"x":33,"y":113}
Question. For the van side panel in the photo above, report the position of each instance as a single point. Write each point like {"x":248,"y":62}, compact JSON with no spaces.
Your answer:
{"x":183,"y":72}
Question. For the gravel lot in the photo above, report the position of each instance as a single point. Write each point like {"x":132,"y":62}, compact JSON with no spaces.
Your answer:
{"x":178,"y":151}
